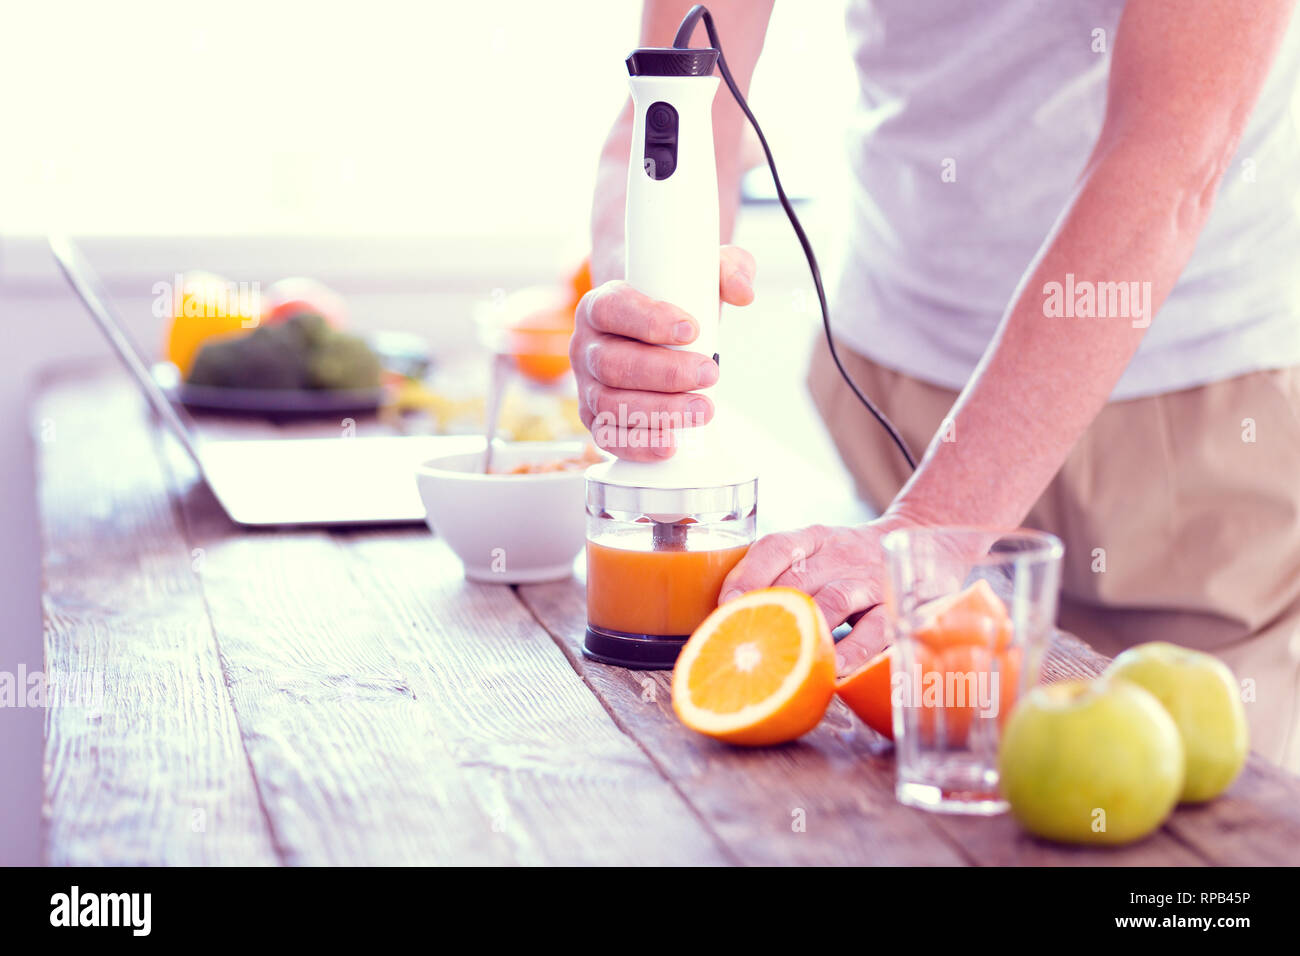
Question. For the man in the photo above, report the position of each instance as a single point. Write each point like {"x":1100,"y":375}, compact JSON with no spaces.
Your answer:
{"x":1035,"y":181}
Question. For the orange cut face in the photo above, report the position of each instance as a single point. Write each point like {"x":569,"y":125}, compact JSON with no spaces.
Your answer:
{"x":759,"y":670}
{"x":866,"y":692}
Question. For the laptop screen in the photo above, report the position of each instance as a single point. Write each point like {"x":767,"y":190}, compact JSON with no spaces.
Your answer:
{"x":90,"y":290}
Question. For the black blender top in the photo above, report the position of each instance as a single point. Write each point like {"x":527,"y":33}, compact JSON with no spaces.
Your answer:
{"x":670,"y":61}
{"x":680,"y":59}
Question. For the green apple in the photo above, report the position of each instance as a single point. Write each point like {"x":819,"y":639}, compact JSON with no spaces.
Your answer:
{"x":1202,"y":696}
{"x":1090,"y":762}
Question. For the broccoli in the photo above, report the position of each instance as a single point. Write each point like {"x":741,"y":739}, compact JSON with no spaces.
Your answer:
{"x":308,"y":329}
{"x":343,"y":361}
{"x":303,"y":352}
{"x":268,"y":357}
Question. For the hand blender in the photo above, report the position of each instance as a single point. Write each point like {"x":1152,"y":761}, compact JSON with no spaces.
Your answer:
{"x":662,"y":536}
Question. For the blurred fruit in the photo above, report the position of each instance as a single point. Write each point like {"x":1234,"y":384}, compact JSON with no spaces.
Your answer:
{"x":537,"y":324}
{"x":973,"y":616}
{"x":1091,"y":762}
{"x":446,"y":411}
{"x":540,"y":344}
{"x":572,"y":415}
{"x":298,"y":296}
{"x":343,"y":361}
{"x":759,"y":670}
{"x":301,"y":352}
{"x":579,"y":282}
{"x":969,"y":683}
{"x":209,"y":308}
{"x":271,"y":357}
{"x":967,"y":668}
{"x":1202,"y":697}
{"x":866,"y":691}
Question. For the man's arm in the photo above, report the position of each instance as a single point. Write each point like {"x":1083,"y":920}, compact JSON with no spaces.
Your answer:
{"x":1184,"y":77}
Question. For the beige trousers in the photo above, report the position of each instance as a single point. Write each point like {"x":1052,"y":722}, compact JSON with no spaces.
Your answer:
{"x":1180,"y":515}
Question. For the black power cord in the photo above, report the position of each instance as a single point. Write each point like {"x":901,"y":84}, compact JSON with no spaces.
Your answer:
{"x":682,"y":42}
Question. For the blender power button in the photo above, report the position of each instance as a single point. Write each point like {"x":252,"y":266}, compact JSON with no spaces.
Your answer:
{"x":660,"y":148}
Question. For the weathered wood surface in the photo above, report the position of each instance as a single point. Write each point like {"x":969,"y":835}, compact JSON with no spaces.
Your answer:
{"x":380,"y":708}
{"x":143,"y":758}
{"x":841,"y":776}
{"x":307,"y":696}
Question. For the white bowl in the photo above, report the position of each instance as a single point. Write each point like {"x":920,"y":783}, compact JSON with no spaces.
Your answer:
{"x":508,"y":529}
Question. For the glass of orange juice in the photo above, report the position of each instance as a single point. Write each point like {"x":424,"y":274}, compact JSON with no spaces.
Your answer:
{"x":656,"y":559}
{"x":972,"y":612}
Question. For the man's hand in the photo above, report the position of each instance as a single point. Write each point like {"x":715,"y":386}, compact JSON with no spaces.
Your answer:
{"x":621,"y":367}
{"x":843,"y":569}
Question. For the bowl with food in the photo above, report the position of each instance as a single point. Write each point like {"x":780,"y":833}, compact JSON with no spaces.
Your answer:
{"x":521,"y":522}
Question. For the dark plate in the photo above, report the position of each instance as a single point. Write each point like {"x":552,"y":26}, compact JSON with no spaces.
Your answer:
{"x":269,"y":401}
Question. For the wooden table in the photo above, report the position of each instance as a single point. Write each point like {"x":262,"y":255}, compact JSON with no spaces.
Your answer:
{"x":220,"y":696}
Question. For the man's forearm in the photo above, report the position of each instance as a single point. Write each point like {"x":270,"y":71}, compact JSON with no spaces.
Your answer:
{"x":1050,"y":369}
{"x":1184,"y":78}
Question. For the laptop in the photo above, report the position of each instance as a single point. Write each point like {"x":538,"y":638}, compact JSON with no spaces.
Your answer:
{"x":278,"y":481}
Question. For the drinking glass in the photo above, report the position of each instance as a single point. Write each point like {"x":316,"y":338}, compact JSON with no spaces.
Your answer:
{"x":964,"y":653}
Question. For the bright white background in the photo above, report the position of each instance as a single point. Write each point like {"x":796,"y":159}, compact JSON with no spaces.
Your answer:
{"x":416,"y":155}
{"x":384,"y":118}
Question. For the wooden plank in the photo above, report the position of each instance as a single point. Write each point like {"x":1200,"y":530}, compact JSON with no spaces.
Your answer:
{"x":392,"y":712}
{"x":825,"y":799}
{"x":477,"y":742}
{"x":534,"y":742}
{"x":351,"y":767}
{"x":1071,"y":659}
{"x":1256,"y":823}
{"x":143,"y":759}
{"x":843,"y":768}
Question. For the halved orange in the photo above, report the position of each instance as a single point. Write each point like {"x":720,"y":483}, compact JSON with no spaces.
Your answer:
{"x":759,"y":670}
{"x":866,"y":692}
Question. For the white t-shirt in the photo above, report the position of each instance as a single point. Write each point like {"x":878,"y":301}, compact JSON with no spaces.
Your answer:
{"x":975,"y":120}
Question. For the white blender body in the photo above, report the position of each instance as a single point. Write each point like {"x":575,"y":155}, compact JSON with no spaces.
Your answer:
{"x":662,"y":536}
{"x":670,"y":518}
{"x":671,"y":248}
{"x":671,"y":229}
